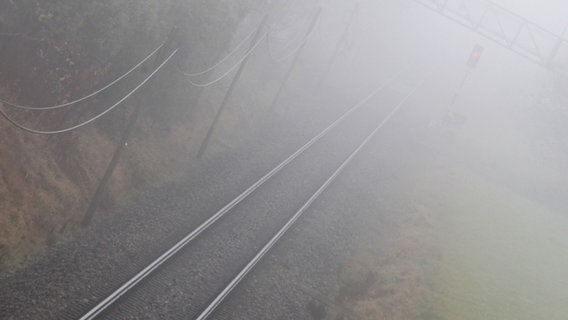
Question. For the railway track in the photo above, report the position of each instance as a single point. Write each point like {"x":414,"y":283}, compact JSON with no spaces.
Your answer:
{"x":191,"y":278}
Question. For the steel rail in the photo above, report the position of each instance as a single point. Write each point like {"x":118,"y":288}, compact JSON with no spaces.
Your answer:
{"x":241,"y":275}
{"x":123,"y":289}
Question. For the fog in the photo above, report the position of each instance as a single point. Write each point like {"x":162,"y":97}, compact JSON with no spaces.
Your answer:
{"x":550,"y":14}
{"x":432,"y":132}
{"x":498,"y":261}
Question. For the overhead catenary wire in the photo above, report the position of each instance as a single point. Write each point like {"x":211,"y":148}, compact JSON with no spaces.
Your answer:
{"x":15,"y":105}
{"x":31,"y":130}
{"x":298,"y":47}
{"x":230,"y":54}
{"x":286,"y":45}
{"x":235,"y":66}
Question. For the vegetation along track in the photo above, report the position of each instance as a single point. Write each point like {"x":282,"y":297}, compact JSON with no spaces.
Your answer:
{"x":190,"y":278}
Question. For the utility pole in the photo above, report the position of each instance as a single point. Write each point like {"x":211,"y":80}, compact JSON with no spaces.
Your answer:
{"x":213,"y":125}
{"x":473,"y":60}
{"x":554,"y":52}
{"x":95,"y":200}
{"x":453,"y":120}
{"x":294,"y":62}
{"x":340,"y":43}
{"x":458,"y":91}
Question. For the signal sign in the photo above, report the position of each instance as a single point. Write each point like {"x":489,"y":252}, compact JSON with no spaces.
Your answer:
{"x":474,"y":56}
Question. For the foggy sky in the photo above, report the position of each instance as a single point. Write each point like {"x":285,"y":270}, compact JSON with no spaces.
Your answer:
{"x":550,"y":14}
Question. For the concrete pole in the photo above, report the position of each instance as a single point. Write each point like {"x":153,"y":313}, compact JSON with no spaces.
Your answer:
{"x":293,"y":65}
{"x":207,"y":138}
{"x":95,"y":200}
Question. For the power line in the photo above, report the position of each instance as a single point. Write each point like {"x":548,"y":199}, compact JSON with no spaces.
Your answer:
{"x":3,"y":113}
{"x":306,"y":38}
{"x":285,"y":24}
{"x":291,"y":42}
{"x":193,"y":74}
{"x":300,"y":45}
{"x":236,"y":65}
{"x":257,"y":39}
{"x":284,"y":48}
{"x":297,"y":54}
{"x":87,"y":96}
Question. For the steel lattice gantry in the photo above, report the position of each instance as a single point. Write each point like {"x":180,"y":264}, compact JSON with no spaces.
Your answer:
{"x":507,"y":29}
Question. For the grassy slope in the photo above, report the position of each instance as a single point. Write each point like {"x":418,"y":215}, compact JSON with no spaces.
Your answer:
{"x":504,"y":257}
{"x":46,"y":183}
{"x":505,"y":249}
{"x":464,"y":237}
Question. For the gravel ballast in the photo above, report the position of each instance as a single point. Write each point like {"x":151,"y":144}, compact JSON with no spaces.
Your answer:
{"x":74,"y":274}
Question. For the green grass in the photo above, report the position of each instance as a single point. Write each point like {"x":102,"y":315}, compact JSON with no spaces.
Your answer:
{"x":504,"y":257}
